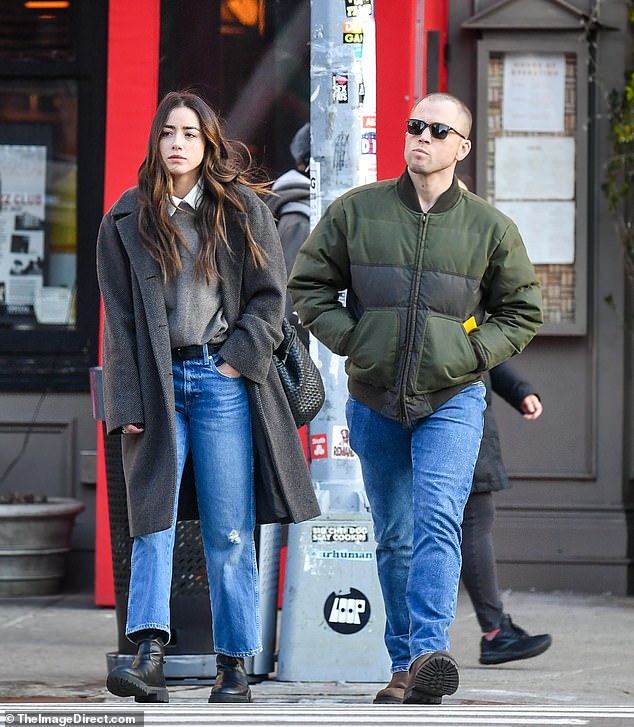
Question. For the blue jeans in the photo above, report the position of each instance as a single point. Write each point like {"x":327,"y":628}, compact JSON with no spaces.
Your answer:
{"x":213,"y":420}
{"x":417,"y":479}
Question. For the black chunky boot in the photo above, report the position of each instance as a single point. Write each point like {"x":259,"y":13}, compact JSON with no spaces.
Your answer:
{"x":143,"y":679}
{"x":232,"y":683}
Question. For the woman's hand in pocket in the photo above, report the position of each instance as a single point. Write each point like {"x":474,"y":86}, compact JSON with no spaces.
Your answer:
{"x":132,"y":429}
{"x":227,"y":370}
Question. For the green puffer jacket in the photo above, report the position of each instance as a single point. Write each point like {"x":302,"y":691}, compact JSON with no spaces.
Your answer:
{"x":412,"y":280}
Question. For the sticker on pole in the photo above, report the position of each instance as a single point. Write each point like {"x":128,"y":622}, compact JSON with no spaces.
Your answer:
{"x":347,"y":613}
{"x":358,"y":8}
{"x":318,"y":446}
{"x":341,"y":443}
{"x":352,"y":31}
{"x":340,"y":88}
{"x":339,"y":534}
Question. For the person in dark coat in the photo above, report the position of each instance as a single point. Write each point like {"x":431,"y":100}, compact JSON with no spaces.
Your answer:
{"x":290,"y":205}
{"x":502,"y":640}
{"x":193,"y":281}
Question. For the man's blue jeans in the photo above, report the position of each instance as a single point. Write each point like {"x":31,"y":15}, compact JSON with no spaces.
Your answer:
{"x":213,"y":420}
{"x":418,"y":479}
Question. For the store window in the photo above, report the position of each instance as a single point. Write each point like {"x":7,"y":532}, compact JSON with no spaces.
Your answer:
{"x":37,"y":30}
{"x":38,"y":203}
{"x":52,"y":110}
{"x":250,"y":59}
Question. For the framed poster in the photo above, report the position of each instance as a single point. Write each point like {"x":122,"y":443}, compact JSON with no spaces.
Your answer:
{"x":24,"y":153}
{"x":533,"y":164}
{"x":534,"y":92}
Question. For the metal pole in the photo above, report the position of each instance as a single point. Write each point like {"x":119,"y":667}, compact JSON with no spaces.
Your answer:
{"x":333,"y":617}
{"x":343,"y":144}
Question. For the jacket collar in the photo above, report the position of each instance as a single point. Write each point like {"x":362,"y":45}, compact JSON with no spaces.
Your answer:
{"x":126,"y":204}
{"x":146,"y":269}
{"x":192,"y":198}
{"x":407,"y":194}
{"x":125,"y":216}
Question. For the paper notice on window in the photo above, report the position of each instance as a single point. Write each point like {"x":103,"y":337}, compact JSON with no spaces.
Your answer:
{"x":534,"y":92}
{"x":22,"y":216}
{"x":20,"y":292}
{"x":535,"y":167}
{"x":547,"y":228}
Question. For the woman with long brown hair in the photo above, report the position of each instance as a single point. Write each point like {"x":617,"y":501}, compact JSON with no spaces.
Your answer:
{"x":193,"y":282}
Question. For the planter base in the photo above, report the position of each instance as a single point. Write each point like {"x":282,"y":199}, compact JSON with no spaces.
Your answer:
{"x":34,"y":541}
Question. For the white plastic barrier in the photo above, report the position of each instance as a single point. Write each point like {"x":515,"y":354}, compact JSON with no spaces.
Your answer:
{"x":333,"y":618}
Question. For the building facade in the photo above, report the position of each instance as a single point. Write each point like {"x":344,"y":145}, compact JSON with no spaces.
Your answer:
{"x":79,"y":83}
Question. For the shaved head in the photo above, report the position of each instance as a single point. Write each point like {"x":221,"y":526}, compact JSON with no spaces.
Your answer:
{"x":463,"y":111}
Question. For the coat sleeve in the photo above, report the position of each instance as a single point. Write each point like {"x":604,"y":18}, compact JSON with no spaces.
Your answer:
{"x":258,"y":328}
{"x":320,"y":272}
{"x":122,"y":389}
{"x":507,"y":383}
{"x":512,"y":297}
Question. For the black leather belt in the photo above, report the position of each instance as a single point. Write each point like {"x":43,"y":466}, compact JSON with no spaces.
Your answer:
{"x":185,"y":353}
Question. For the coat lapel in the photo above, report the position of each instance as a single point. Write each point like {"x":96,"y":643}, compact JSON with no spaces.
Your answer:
{"x":232,"y":264}
{"x":148,"y":274}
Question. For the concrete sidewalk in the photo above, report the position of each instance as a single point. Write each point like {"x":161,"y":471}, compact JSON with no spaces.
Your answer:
{"x":54,"y":650}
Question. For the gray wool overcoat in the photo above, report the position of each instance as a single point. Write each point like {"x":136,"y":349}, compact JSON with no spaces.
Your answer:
{"x":137,"y":364}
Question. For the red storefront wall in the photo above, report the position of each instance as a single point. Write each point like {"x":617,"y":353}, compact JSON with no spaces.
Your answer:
{"x":402,"y":59}
{"x":132,"y":88}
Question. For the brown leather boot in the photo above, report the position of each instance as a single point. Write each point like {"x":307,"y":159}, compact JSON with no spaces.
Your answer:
{"x":431,"y":676}
{"x":395,"y":690}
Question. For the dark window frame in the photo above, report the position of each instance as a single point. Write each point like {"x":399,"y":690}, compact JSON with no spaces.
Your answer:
{"x":59,"y":358}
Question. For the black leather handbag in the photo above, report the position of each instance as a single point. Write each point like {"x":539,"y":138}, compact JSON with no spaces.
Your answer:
{"x":300,"y":377}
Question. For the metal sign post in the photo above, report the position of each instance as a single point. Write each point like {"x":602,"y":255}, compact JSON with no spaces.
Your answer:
{"x":333,"y":618}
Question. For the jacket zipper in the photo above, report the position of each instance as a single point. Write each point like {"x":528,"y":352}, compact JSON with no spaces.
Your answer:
{"x":410,"y":328}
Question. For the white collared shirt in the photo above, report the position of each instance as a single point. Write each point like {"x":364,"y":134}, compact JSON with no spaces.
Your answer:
{"x":192,"y":198}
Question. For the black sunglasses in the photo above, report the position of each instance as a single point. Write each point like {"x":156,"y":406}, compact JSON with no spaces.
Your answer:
{"x":438,"y":130}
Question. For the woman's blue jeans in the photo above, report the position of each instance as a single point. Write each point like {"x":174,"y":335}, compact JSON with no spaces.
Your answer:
{"x":417,"y":479}
{"x":213,"y":420}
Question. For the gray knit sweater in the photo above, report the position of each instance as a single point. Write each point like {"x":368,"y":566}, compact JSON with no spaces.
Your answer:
{"x":194,"y":309}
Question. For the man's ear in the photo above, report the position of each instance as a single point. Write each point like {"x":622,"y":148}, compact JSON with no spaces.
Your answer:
{"x":463,"y":149}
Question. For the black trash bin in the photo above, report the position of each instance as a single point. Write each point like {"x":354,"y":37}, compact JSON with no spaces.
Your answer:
{"x":189,"y":656}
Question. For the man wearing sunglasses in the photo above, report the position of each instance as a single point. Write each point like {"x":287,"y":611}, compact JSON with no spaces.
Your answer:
{"x":439,"y":290}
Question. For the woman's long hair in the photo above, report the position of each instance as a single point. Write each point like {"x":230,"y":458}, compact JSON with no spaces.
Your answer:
{"x":223,"y":167}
